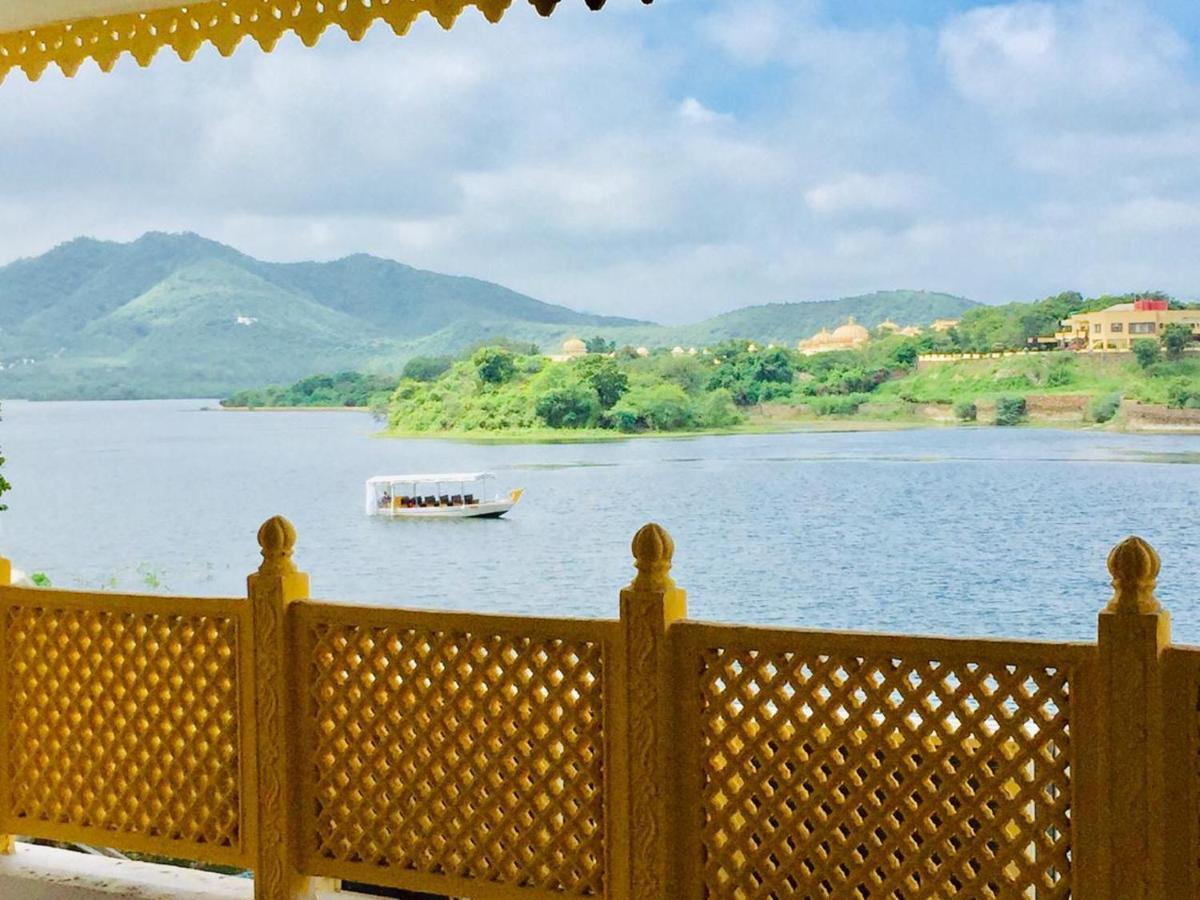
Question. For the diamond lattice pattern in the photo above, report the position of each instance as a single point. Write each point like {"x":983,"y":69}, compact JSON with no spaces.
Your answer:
{"x":846,"y":777}
{"x":126,"y":723}
{"x":467,"y":755}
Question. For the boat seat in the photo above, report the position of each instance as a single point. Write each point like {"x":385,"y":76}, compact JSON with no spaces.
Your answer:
{"x":470,"y":500}
{"x":431,"y":500}
{"x":456,"y":500}
{"x":444,"y":500}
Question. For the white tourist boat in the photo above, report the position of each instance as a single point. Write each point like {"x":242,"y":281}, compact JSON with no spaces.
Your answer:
{"x":469,"y":495}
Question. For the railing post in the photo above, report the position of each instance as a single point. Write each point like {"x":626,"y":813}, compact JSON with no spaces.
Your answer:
{"x":648,"y":606}
{"x":1134,"y":632}
{"x":275,"y":585}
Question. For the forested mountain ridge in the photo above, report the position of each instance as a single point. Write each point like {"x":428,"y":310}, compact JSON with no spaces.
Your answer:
{"x":786,"y":323}
{"x":178,"y":315}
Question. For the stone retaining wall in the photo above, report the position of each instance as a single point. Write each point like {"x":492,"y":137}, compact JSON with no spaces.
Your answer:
{"x":1057,"y":407}
{"x":1147,"y":417}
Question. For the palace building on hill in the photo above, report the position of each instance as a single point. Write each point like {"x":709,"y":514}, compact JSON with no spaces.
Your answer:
{"x":850,"y":336}
{"x":1118,"y":326}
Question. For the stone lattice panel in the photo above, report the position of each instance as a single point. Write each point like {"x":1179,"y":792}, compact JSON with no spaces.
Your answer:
{"x":845,"y":777}
{"x":125,"y":723}
{"x":471,"y":756}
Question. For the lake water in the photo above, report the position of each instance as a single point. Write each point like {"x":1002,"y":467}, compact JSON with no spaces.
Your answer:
{"x":960,"y":531}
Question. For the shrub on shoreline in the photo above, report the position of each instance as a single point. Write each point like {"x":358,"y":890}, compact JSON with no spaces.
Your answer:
{"x":1102,"y":409}
{"x":1010,"y":411}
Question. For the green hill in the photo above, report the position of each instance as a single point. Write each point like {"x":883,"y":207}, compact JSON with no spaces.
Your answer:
{"x":179,"y":315}
{"x":779,"y":323}
{"x":786,"y":323}
{"x":173,"y":315}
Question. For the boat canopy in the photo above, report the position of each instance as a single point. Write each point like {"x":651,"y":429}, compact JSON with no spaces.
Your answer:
{"x":460,"y":478}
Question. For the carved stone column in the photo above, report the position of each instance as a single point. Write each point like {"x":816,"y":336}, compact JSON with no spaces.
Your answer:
{"x":648,"y":607}
{"x":276,"y":585}
{"x":1134,"y":632}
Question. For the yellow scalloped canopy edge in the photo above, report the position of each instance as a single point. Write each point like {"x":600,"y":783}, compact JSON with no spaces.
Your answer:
{"x":224,"y":24}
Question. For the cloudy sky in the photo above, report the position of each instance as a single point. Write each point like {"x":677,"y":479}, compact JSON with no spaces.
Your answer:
{"x":668,"y":162}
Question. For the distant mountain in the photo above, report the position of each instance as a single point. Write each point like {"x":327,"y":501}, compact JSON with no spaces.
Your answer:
{"x":780,"y":323}
{"x":786,"y":323}
{"x":177,"y":315}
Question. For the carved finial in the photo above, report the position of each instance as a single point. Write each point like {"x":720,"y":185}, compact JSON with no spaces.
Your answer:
{"x":1134,"y":566}
{"x":653,"y":551}
{"x":277,"y":538}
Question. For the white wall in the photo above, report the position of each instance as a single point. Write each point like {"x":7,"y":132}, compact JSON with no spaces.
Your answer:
{"x":46,"y":873}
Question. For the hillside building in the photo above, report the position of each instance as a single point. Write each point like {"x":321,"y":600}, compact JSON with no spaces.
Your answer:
{"x":572,"y":348}
{"x":887,"y":326}
{"x":1118,"y":326}
{"x":850,"y":336}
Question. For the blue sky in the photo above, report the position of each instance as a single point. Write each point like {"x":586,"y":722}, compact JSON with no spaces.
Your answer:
{"x":668,"y":162}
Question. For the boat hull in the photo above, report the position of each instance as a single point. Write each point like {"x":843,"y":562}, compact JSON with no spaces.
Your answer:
{"x":490,"y":509}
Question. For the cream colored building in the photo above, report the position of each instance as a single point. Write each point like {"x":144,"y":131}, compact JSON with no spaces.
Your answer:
{"x":1117,"y":327}
{"x":572,"y":348}
{"x":905,"y":330}
{"x":850,"y":336}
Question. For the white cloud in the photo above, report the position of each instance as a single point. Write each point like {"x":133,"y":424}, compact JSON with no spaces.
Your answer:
{"x":669,"y":162}
{"x":1071,"y":61}
{"x":588,"y":199}
{"x":751,"y":31}
{"x":861,"y":192}
{"x":1151,"y":153}
{"x":692,"y":110}
{"x":1152,"y":215}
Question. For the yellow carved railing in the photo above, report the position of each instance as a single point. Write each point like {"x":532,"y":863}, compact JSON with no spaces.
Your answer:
{"x":648,"y":756}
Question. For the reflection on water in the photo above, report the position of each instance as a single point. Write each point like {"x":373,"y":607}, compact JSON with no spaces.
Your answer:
{"x":979,"y":531}
{"x":1189,"y":458}
{"x":549,"y":467}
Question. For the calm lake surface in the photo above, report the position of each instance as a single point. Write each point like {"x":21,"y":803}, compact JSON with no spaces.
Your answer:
{"x":969,"y":531}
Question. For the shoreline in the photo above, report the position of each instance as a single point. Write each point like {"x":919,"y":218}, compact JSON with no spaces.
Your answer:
{"x":596,"y":436}
{"x":757,"y":425}
{"x":273,"y":409}
{"x":837,"y":426}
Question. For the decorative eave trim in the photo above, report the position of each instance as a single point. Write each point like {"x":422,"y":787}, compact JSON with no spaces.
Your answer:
{"x":36,"y":35}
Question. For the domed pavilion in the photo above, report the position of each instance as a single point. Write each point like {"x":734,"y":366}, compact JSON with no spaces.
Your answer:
{"x":850,"y":336}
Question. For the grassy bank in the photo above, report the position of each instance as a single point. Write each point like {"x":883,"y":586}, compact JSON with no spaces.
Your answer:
{"x":755,"y":424}
{"x":1095,"y":375}
{"x":503,"y":394}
